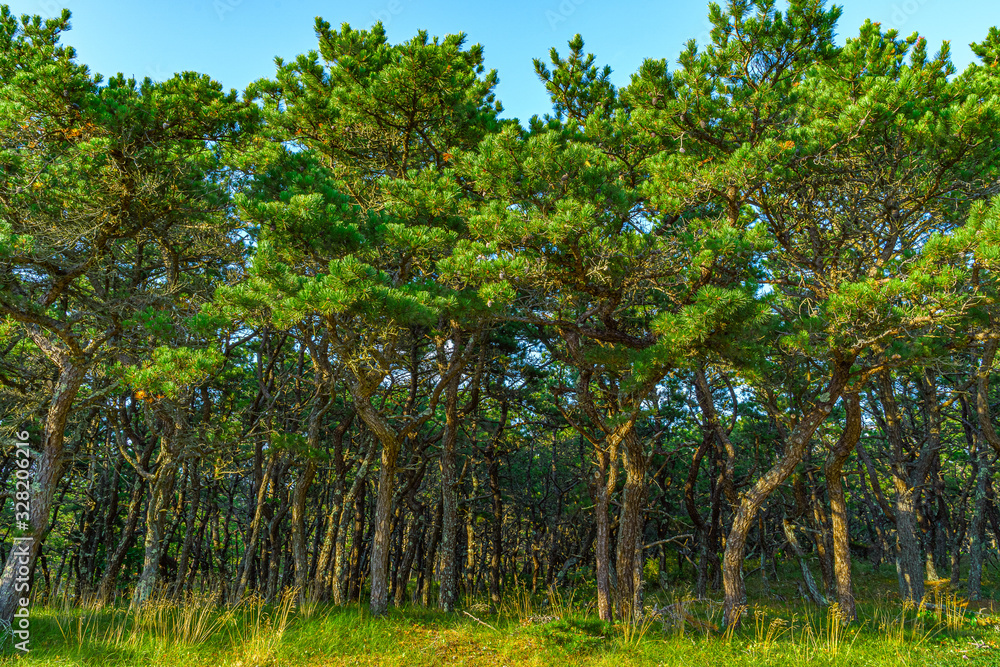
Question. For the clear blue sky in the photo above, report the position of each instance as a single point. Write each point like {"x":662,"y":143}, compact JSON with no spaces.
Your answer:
{"x":235,"y":41}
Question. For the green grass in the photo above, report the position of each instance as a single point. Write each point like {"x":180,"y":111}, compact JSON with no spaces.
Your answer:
{"x":528,"y":630}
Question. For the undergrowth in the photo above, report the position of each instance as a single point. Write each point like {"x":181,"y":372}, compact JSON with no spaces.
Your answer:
{"x":556,"y":628}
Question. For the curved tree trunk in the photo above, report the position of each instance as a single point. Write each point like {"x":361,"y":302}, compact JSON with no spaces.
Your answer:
{"x":391,"y":440}
{"x":161,"y":490}
{"x":48,"y":473}
{"x":714,"y":436}
{"x":838,"y":506}
{"x":301,"y":492}
{"x":326,"y":560}
{"x":243,"y":573}
{"x":795,"y":448}
{"x":807,"y":577}
{"x":172,"y":422}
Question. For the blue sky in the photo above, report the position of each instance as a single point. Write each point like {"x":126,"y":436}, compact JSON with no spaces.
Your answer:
{"x":235,"y":41}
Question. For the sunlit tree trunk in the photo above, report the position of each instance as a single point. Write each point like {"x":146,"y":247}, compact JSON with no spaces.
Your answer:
{"x":838,"y":505}
{"x":795,"y":448}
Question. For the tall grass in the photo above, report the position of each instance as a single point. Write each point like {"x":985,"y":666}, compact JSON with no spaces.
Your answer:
{"x":190,"y":622}
{"x":256,"y":629}
{"x":524,"y":629}
{"x":767,"y":633}
{"x":161,"y":625}
{"x":633,"y":629}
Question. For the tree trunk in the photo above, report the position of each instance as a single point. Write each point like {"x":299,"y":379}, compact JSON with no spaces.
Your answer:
{"x":795,"y":447}
{"x":161,"y":490}
{"x":496,"y":524}
{"x":448,"y":593}
{"x":982,"y":394}
{"x":326,"y":573}
{"x":821,"y":537}
{"x":909,"y":565}
{"x":357,"y":539}
{"x":276,"y":550}
{"x":391,"y":440}
{"x":989,"y":435}
{"x":431,"y":551}
{"x":470,"y":540}
{"x":416,"y":531}
{"x":105,"y":590}
{"x":190,"y":530}
{"x":301,"y":493}
{"x":251,"y":545}
{"x":700,"y":527}
{"x":48,"y":473}
{"x":379,"y":601}
{"x":605,"y":479}
{"x":629,"y":556}
{"x":807,"y":577}
{"x":909,"y":569}
{"x":977,"y":529}
{"x":299,"y":555}
{"x":838,"y":506}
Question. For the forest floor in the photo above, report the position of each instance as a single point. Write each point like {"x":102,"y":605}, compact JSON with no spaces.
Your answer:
{"x":779,"y":628}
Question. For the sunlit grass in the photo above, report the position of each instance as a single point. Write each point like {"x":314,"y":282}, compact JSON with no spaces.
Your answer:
{"x":557,"y":627}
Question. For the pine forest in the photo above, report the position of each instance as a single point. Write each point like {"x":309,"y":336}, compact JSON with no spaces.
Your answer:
{"x":690,"y":364}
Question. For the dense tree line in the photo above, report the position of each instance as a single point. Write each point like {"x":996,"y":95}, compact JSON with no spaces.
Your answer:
{"x":355,"y":332}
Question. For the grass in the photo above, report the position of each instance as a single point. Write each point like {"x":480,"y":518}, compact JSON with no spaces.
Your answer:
{"x":558,"y":628}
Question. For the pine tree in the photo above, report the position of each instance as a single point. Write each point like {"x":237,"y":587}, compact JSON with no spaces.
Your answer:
{"x":111,"y":194}
{"x":619,"y":290}
{"x":380,"y":123}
